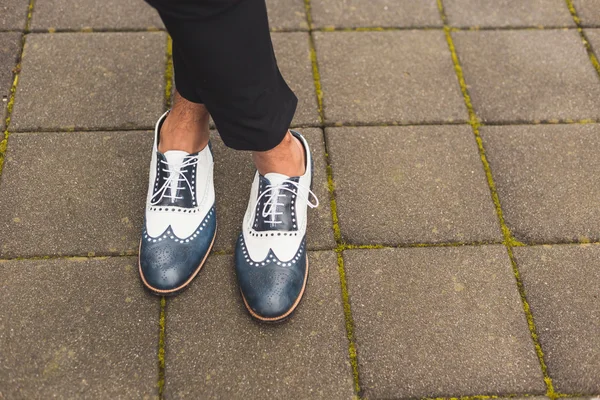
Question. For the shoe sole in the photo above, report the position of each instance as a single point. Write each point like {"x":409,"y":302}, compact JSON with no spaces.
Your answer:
{"x":171,"y":292}
{"x":285,"y":316}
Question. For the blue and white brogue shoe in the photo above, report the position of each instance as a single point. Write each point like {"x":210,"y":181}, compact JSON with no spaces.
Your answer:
{"x":180,"y":221}
{"x":270,"y":257}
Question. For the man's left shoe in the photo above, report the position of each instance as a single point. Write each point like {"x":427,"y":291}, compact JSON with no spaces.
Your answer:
{"x":270,"y":257}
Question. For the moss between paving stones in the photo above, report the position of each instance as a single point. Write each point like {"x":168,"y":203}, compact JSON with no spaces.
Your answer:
{"x":509,"y":240}
{"x":161,"y":347}
{"x":169,"y":74}
{"x":584,"y":39}
{"x":13,"y":89}
{"x":349,"y":323}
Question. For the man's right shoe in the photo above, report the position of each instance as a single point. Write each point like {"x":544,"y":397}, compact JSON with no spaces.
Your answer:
{"x":180,"y":220}
{"x":270,"y":257}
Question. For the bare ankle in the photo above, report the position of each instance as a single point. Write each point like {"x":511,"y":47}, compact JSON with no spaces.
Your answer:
{"x":287,"y":158}
{"x":185,"y":128}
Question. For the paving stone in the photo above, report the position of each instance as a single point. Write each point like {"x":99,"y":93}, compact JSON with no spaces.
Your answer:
{"x":83,"y":14}
{"x":561,"y":284}
{"x":13,"y":14}
{"x":77,"y":328}
{"x":593,"y":35}
{"x":508,"y":13}
{"x":91,"y":80}
{"x":388,"y":77}
{"x":588,"y":11}
{"x":375,"y":13}
{"x":410,"y":185}
{"x":104,"y":211}
{"x":287,"y":14}
{"x":440,"y":321}
{"x":547,"y":180}
{"x":528,"y":75}
{"x":293,"y":58}
{"x":215,"y":350}
{"x":528,"y":398}
{"x":234,"y":172}
{"x":10,"y":46}
{"x":73,"y":193}
{"x":581,"y":398}
{"x":120,"y":14}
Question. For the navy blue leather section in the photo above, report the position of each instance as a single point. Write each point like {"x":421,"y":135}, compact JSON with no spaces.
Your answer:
{"x":287,"y":220}
{"x":167,"y":264}
{"x":270,"y":289}
{"x":186,"y":200}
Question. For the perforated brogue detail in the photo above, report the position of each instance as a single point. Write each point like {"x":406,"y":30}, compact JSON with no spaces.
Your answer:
{"x":168,"y":261}
{"x":270,"y":286}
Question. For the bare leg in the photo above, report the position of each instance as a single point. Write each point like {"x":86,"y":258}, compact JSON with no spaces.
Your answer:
{"x":186,"y":127}
{"x":286,"y":158}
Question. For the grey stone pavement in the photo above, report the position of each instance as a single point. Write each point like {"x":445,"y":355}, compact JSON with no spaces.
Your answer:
{"x":456,"y":252}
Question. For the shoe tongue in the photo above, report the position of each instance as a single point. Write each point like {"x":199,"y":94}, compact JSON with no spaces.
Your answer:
{"x":175,"y":157}
{"x":175,"y":160}
{"x":276,"y":178}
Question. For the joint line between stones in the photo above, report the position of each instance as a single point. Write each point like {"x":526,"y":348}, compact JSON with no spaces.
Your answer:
{"x":505,"y":396}
{"x":13,"y":89}
{"x":161,"y":347}
{"x":584,"y":39}
{"x":169,"y":74}
{"x":338,"y":247}
{"x":349,"y":321}
{"x":87,"y":29}
{"x":82,"y":129}
{"x":509,"y":240}
{"x":438,"y":28}
{"x":163,"y":301}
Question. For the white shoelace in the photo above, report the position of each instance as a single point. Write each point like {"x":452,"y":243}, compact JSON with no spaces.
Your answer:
{"x":175,"y":173}
{"x":272,"y":193}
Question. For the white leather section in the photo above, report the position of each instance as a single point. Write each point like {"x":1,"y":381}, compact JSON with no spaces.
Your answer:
{"x":182,"y":224}
{"x":284,"y":247}
{"x":276,"y":178}
{"x":152,"y":175}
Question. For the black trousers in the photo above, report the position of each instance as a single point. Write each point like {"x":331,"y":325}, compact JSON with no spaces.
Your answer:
{"x":223,"y":57}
